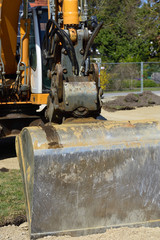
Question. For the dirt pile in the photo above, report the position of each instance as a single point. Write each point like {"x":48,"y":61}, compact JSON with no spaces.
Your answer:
{"x":14,"y":220}
{"x":132,"y":101}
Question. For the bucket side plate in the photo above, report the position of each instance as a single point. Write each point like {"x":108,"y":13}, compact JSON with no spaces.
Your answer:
{"x":85,"y":189}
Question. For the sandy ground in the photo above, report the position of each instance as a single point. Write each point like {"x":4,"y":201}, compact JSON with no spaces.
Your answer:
{"x":21,"y":232}
{"x":9,"y":163}
{"x":145,"y":113}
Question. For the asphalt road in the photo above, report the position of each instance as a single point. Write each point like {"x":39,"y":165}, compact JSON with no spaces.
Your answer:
{"x":116,"y":94}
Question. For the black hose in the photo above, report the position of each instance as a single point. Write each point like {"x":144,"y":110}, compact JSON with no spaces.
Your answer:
{"x":94,"y":34}
{"x":53,"y":28}
{"x":72,"y":50}
{"x":46,"y":36}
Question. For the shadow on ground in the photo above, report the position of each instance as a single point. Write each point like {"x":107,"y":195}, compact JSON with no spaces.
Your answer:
{"x":7,"y":147}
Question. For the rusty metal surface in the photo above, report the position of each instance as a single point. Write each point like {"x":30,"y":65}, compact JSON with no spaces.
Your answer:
{"x":86,"y":177}
{"x":80,"y":94}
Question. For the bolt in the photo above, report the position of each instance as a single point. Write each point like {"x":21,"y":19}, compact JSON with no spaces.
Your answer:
{"x":83,"y":70}
{"x":64,"y":51}
{"x":81,"y":51}
{"x":64,"y":70}
{"x":51,"y":94}
{"x":49,"y":74}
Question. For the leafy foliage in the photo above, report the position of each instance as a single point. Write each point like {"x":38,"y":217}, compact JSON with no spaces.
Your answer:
{"x":130,"y":31}
{"x":104,"y":79}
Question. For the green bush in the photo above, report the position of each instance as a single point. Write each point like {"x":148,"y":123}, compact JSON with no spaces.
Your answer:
{"x":118,"y":85}
{"x":126,"y":84}
{"x":137,"y":83}
{"x":146,"y":83}
{"x":149,"y":83}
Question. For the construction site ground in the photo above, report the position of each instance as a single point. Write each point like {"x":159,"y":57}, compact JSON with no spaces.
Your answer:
{"x":12,"y":232}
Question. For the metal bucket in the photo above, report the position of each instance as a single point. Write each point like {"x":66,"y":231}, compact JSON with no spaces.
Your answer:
{"x":82,"y":178}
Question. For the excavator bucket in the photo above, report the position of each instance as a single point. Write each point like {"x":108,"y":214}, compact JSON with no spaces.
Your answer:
{"x":82,"y":178}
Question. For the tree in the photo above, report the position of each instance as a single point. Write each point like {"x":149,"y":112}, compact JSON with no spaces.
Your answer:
{"x":129,"y":28}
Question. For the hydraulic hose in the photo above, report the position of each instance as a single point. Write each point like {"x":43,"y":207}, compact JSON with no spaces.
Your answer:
{"x":64,"y":38}
{"x":94,"y":34}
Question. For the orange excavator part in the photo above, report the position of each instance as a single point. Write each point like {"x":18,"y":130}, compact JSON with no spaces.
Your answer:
{"x":39,"y":3}
{"x":24,"y":31}
{"x":70,"y":12}
{"x":8,"y":33}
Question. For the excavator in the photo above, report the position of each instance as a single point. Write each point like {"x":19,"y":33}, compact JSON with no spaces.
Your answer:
{"x":26,"y":74}
{"x":21,"y":92}
{"x":81,"y":173}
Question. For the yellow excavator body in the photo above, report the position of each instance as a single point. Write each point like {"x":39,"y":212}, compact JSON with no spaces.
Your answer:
{"x":8,"y":33}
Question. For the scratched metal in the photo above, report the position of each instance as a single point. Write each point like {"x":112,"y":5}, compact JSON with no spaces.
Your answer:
{"x":80,"y":94}
{"x":91,"y":186}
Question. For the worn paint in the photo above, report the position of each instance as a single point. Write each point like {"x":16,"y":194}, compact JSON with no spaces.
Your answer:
{"x":100,"y":174}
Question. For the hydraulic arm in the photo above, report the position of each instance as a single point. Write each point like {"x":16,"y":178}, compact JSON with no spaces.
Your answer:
{"x":75,"y":89}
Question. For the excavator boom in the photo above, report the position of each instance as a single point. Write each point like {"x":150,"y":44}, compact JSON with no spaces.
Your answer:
{"x":8,"y":35}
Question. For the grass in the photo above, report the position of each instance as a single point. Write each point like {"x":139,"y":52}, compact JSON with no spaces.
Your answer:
{"x":12,"y":203}
{"x":152,"y":89}
{"x":134,"y":90}
{"x":117,"y":107}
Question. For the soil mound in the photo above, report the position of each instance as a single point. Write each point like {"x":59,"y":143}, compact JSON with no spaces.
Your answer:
{"x":132,"y":101}
{"x":14,"y":220}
